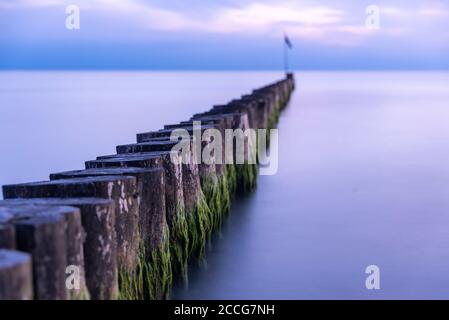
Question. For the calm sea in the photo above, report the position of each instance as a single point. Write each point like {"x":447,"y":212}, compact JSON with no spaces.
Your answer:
{"x":363,"y":177}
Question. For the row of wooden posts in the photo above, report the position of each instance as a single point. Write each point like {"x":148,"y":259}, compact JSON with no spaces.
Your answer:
{"x":128,"y":225}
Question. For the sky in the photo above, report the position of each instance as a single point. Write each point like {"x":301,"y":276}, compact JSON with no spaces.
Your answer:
{"x":224,"y":35}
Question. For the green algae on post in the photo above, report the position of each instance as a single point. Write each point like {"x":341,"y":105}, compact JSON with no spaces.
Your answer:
{"x":153,"y":276}
{"x":155,"y":249}
{"x":179,"y":242}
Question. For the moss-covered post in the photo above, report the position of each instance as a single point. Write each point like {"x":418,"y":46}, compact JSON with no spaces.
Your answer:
{"x":174,"y":197}
{"x":246,"y":173}
{"x":122,"y":190}
{"x":210,"y":170}
{"x":262,"y":103}
{"x":154,"y":275}
{"x":197,"y":211}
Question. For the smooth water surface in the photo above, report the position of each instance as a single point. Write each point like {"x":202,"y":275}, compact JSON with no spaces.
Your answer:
{"x":363,"y":176}
{"x":363,"y":180}
{"x":53,"y":121}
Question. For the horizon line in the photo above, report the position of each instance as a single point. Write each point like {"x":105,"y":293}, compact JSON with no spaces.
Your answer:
{"x":220,"y":70}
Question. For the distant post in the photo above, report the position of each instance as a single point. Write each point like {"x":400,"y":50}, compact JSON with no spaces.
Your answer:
{"x":287,"y":45}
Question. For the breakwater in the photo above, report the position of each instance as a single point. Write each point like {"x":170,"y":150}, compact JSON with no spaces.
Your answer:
{"x":129,"y":223}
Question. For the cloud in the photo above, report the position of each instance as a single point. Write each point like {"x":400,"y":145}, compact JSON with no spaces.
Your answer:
{"x":147,"y":15}
{"x":252,"y":18}
{"x":324,"y":23}
{"x":8,"y":4}
{"x":258,"y":17}
{"x":434,"y":12}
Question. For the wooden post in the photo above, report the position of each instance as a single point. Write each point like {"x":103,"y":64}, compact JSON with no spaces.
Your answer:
{"x":41,"y":231}
{"x":152,"y":160}
{"x":205,"y":169}
{"x":118,"y":188}
{"x":7,"y":236}
{"x":190,"y":170}
{"x":174,"y":198}
{"x":99,"y":247}
{"x":16,"y":279}
{"x":166,"y":133}
{"x":173,"y":174}
{"x":150,"y":187}
{"x":146,"y":147}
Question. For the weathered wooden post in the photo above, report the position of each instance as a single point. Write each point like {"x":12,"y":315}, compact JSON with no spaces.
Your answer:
{"x":7,"y":236}
{"x":16,"y":279}
{"x":120,"y":189}
{"x":211,"y":165}
{"x":50,"y":235}
{"x":74,"y":236}
{"x":174,"y":197}
{"x":164,"y":135}
{"x":155,"y":262}
{"x":231,"y":121}
{"x":198,"y":214}
{"x":275,"y":106}
{"x":211,"y":123}
{"x":146,"y":147}
{"x":245,"y":173}
{"x":99,"y":247}
{"x":43,"y":237}
{"x":173,"y":173}
{"x":197,"y":211}
{"x":247,"y":107}
{"x":151,"y":160}
{"x":262,"y":108}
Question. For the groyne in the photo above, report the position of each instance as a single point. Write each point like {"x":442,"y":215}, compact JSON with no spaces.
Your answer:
{"x":128,"y":225}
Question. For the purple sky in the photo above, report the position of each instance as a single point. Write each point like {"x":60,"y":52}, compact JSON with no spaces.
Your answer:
{"x":194,"y":34}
